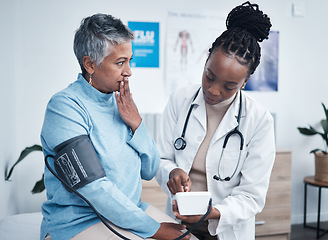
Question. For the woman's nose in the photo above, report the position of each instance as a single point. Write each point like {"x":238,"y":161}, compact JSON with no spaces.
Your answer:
{"x":214,"y":90}
{"x":127,"y":71}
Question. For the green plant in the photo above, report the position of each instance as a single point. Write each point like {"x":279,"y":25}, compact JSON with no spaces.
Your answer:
{"x":39,"y":185}
{"x":311,"y":131}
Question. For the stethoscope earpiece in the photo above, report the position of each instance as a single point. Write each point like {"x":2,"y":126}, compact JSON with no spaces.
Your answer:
{"x":227,"y":179}
{"x":216,"y":178}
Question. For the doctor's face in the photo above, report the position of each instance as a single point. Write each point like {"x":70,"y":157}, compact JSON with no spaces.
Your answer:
{"x":223,"y":76}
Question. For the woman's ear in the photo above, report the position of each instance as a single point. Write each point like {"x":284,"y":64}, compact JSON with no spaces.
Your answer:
{"x":88,"y":64}
{"x":244,"y":84}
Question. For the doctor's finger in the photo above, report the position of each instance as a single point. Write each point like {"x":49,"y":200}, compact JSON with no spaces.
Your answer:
{"x":178,"y":184}
{"x":175,"y":208}
{"x":186,"y":185}
{"x":174,"y":187}
{"x":176,"y":212}
{"x":171,"y":187}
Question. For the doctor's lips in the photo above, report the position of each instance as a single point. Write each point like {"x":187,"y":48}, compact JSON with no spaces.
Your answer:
{"x":209,"y":99}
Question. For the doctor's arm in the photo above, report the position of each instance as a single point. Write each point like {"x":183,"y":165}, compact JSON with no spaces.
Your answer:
{"x":170,"y":177}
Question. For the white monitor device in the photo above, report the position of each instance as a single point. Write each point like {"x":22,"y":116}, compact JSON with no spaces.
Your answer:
{"x":192,"y":203}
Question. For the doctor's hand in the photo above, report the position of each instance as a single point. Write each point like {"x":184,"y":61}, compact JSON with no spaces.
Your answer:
{"x":214,"y":214}
{"x":126,"y":106}
{"x":179,"y":181}
{"x":169,"y":231}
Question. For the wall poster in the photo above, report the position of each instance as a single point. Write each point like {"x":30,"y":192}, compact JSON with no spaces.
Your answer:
{"x":265,"y":77}
{"x":145,"y":45}
{"x":189,"y":35}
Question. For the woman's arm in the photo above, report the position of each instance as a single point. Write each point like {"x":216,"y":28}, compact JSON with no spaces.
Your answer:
{"x":64,"y":119}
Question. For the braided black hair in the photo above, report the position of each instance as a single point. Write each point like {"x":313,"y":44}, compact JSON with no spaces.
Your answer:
{"x":246,"y":26}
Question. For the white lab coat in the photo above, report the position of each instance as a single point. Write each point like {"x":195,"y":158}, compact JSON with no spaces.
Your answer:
{"x":241,"y":198}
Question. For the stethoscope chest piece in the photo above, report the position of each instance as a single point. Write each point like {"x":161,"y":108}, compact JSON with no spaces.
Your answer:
{"x":180,"y":143}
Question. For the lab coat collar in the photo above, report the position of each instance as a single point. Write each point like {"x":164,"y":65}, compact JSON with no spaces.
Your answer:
{"x":229,"y":120}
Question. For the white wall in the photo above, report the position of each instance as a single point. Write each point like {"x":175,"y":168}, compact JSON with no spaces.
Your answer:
{"x":38,"y":60}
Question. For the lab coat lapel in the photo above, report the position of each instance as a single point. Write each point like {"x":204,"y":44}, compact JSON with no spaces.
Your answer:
{"x":200,"y":110}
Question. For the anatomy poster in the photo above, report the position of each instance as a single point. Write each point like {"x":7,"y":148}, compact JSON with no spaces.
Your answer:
{"x":189,"y":35}
{"x":265,"y":77}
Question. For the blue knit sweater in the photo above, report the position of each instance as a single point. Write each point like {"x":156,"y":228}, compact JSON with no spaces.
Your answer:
{"x":126,"y":158}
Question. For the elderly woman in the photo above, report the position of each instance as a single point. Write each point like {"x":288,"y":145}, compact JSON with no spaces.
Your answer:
{"x":124,"y":152}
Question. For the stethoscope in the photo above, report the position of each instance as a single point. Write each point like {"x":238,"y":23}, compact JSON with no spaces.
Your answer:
{"x":180,"y":143}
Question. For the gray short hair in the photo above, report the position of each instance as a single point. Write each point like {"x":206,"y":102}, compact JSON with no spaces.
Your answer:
{"x":97,"y":35}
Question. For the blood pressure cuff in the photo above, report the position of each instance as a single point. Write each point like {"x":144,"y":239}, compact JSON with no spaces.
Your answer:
{"x":77,"y":163}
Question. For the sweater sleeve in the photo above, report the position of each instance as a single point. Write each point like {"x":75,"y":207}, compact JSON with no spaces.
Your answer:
{"x":66,"y":118}
{"x":143,"y":143}
{"x":118,"y":209}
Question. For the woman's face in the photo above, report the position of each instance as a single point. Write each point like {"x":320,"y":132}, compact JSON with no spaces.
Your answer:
{"x":223,"y":76}
{"x":113,"y":69}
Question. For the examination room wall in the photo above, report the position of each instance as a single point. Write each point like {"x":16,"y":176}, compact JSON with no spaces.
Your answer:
{"x":38,"y":60}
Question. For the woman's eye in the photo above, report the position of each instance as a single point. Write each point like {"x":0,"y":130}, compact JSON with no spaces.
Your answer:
{"x":209,"y":79}
{"x":229,"y":88}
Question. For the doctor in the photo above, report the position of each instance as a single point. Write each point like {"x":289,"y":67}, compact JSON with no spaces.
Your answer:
{"x":216,"y":138}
